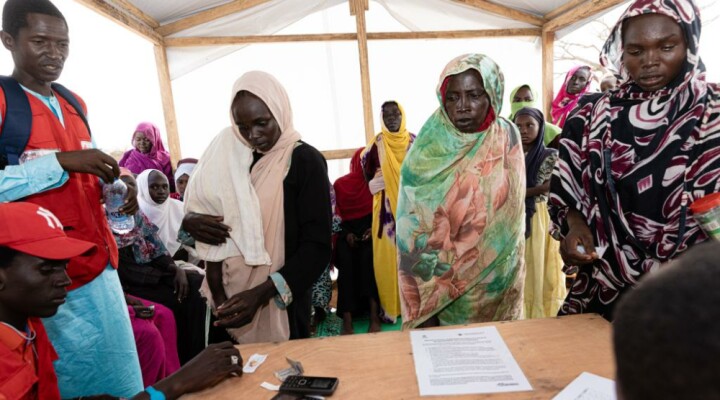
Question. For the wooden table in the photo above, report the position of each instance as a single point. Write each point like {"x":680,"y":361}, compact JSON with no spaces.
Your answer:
{"x":551,"y":352}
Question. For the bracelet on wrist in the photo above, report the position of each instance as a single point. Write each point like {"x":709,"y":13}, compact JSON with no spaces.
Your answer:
{"x":154,"y":393}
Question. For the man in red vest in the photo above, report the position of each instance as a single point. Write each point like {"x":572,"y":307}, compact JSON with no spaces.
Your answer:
{"x":60,"y":171}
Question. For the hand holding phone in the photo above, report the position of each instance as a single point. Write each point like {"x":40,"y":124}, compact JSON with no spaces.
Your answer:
{"x":309,"y":385}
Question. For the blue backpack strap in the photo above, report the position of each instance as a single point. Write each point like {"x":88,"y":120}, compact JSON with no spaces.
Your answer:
{"x":66,"y":94}
{"x":16,"y":124}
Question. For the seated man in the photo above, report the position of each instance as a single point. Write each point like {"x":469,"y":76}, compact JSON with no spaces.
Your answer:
{"x":34,"y":253}
{"x":666,"y":331}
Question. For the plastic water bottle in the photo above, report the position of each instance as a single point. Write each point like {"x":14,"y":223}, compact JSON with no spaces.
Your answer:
{"x":114,"y":195}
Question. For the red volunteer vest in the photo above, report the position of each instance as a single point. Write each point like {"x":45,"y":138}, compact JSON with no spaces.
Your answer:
{"x":77,"y":202}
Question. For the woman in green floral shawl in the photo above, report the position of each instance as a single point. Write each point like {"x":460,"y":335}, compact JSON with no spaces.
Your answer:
{"x":461,"y":210}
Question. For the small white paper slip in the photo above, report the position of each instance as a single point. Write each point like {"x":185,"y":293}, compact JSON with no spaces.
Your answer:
{"x":588,"y":386}
{"x":465,"y":361}
{"x":254,"y":362}
{"x":270,"y":386}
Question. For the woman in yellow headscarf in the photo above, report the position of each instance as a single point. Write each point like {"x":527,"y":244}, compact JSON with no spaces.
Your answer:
{"x":381,"y":163}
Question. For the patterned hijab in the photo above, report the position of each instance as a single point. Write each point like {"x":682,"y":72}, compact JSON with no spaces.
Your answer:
{"x":564,"y":102}
{"x":633,"y":160}
{"x":684,"y":12}
{"x":646,"y":133}
{"x":461,"y":211}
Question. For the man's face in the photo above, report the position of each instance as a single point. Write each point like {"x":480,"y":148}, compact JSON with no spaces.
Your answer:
{"x":39,"y":51}
{"x":32,"y":286}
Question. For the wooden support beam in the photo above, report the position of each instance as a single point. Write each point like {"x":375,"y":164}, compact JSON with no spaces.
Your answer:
{"x":235,"y":40}
{"x":325,"y":37}
{"x":504,"y":11}
{"x":208,"y":15}
{"x":173,"y":138}
{"x":454,"y":34}
{"x":131,"y":9}
{"x":364,"y":5}
{"x":338,"y":154}
{"x":563,"y":9}
{"x":580,"y":13}
{"x":359,"y":6}
{"x":123,"y":18}
{"x":548,"y":62}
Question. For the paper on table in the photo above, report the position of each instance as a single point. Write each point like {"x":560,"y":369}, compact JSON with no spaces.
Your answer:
{"x":254,"y":362}
{"x":588,"y":386}
{"x":465,"y":361}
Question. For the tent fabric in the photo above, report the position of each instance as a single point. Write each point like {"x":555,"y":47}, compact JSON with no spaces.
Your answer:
{"x":273,"y":16}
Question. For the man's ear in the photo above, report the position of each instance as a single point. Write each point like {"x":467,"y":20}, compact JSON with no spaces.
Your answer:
{"x":7,"y":40}
{"x":3,"y":278}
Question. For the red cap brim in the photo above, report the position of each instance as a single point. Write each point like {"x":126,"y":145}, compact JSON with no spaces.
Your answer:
{"x":59,"y":248}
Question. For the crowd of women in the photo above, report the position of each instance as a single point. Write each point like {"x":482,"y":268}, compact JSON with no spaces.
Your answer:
{"x":476,"y":218}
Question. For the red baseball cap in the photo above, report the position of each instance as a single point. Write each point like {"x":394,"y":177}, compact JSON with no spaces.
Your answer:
{"x":29,"y":228}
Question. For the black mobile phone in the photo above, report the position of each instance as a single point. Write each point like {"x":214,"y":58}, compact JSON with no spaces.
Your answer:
{"x":292,"y":396}
{"x":309,"y":385}
{"x":145,"y":312}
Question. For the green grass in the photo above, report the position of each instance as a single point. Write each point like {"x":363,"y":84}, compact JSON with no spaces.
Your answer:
{"x":332,"y":325}
{"x":361,"y":325}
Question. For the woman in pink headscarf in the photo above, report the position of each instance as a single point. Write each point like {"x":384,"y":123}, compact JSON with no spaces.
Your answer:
{"x":148,"y":152}
{"x":577,"y":83}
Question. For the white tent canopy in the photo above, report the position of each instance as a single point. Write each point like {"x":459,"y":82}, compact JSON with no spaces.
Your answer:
{"x":189,"y":34}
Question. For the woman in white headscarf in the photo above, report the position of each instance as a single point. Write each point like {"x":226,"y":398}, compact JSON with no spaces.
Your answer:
{"x":183,"y":171}
{"x":258,"y":206}
{"x":164,"y":212}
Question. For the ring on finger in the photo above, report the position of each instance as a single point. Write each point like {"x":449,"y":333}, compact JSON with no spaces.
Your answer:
{"x":234,"y":360}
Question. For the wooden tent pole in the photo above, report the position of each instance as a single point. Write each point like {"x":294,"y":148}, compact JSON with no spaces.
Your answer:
{"x":548,"y":59}
{"x":326,"y":37}
{"x":173,"y":138}
{"x":358,"y":7}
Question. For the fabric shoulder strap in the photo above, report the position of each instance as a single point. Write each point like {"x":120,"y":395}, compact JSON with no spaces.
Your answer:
{"x":66,"y":94}
{"x":16,"y":124}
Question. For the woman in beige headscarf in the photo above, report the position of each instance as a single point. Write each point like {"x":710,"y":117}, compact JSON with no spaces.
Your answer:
{"x":258,"y":206}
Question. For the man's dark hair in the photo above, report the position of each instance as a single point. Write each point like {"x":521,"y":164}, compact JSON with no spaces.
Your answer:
{"x":666,"y":331}
{"x":15,"y":13}
{"x":6,"y":256}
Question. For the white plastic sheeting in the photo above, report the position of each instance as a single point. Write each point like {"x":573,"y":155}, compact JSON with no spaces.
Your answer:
{"x":264,"y":19}
{"x":273,"y":16}
{"x":444,"y":15}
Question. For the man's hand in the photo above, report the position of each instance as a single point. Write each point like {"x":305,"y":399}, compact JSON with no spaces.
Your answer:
{"x":92,"y":161}
{"x":213,"y":365}
{"x":131,"y":205}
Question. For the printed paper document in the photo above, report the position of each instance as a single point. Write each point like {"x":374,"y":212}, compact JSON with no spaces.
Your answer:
{"x":465,"y":361}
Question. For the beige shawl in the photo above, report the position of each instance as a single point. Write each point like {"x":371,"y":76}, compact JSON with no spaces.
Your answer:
{"x":270,"y":322}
